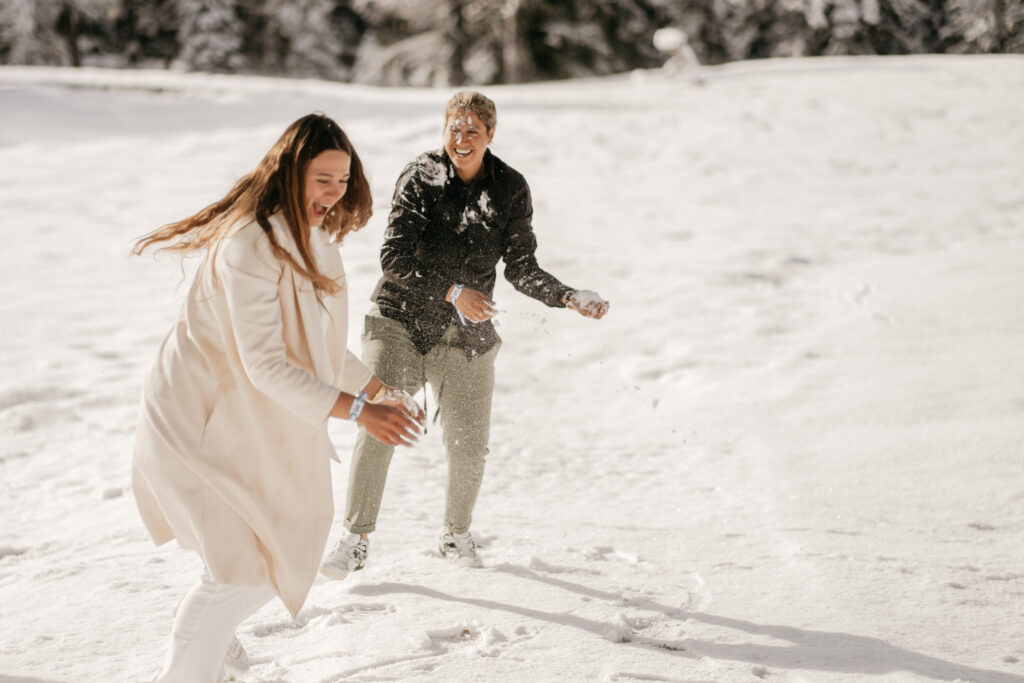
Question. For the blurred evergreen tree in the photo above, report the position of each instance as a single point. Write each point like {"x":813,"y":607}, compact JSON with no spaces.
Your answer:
{"x":573,"y":38}
{"x":455,"y":42}
{"x":308,"y":38}
{"x":983,"y":26}
{"x":28,"y":33}
{"x":210,"y":36}
{"x":146,"y":30}
{"x":54,"y":33}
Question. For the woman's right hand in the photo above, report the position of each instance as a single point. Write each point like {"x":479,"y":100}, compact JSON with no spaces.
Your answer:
{"x":389,"y":426}
{"x":475,"y":306}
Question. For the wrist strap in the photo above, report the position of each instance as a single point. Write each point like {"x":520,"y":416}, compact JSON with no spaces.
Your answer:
{"x":456,"y":290}
{"x":357,"y":406}
{"x":379,"y":395}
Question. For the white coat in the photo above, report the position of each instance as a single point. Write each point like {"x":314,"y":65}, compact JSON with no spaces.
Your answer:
{"x":232,"y":455}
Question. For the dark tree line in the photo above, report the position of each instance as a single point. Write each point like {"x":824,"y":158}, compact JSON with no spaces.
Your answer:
{"x":452,"y":42}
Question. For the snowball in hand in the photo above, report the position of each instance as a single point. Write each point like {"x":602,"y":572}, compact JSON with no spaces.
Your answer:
{"x":585,"y":297}
{"x":588,"y":302}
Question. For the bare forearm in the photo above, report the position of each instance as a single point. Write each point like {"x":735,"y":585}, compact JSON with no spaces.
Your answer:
{"x":343,"y":405}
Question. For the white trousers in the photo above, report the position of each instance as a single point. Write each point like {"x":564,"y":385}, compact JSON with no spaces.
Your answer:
{"x":204,"y":626}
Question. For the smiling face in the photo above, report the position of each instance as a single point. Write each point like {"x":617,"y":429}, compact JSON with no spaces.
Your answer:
{"x":324,"y":183}
{"x":465,"y":140}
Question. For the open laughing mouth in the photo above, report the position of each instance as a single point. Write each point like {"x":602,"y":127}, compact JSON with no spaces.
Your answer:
{"x":320,"y":210}
{"x":463,"y":152}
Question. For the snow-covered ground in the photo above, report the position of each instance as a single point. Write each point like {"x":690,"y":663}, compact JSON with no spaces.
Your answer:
{"x":792,"y":451}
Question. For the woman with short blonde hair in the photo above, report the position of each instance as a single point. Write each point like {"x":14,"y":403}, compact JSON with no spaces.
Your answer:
{"x":456,"y":212}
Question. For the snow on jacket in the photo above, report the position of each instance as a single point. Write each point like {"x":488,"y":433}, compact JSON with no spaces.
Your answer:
{"x":232,"y":455}
{"x":442,"y":231}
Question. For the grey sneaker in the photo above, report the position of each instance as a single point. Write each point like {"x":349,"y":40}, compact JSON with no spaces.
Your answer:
{"x":348,"y":556}
{"x":460,"y":549}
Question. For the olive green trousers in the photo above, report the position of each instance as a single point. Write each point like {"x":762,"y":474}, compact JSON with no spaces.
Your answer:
{"x":462,"y":390}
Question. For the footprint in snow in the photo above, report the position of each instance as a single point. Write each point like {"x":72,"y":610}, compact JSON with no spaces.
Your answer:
{"x":539,"y":565}
{"x":11,"y":551}
{"x":604,"y":552}
{"x":429,"y":648}
{"x":321,"y":616}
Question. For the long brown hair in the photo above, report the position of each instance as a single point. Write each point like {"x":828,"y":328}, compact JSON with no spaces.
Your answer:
{"x":276,"y":185}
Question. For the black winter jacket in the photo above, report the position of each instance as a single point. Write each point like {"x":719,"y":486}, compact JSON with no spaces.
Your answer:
{"x":442,"y":231}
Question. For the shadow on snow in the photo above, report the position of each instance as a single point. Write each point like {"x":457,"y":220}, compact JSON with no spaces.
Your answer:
{"x":819,"y":650}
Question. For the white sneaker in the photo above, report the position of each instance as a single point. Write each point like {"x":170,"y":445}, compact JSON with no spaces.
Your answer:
{"x":460,"y":549}
{"x":237,"y":658}
{"x":348,"y":556}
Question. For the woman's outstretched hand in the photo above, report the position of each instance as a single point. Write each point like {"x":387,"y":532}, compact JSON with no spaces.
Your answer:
{"x":391,"y":425}
{"x":586,"y":303}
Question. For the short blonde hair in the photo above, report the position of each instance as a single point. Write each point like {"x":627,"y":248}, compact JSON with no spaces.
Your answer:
{"x":479,"y":104}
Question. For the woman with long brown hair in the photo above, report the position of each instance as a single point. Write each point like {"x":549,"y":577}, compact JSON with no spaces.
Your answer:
{"x":232,"y":455}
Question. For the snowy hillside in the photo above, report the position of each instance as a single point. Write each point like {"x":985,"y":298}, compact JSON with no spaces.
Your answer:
{"x":792,"y":451}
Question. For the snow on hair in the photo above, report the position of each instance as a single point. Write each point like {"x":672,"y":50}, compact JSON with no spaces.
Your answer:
{"x":479,"y":104}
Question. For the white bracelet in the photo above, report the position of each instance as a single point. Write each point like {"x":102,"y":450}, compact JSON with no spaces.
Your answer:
{"x":357,"y":406}
{"x":380,"y":394}
{"x":456,"y":290}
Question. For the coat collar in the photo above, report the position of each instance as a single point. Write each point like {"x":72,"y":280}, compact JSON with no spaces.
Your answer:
{"x":316,"y":312}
